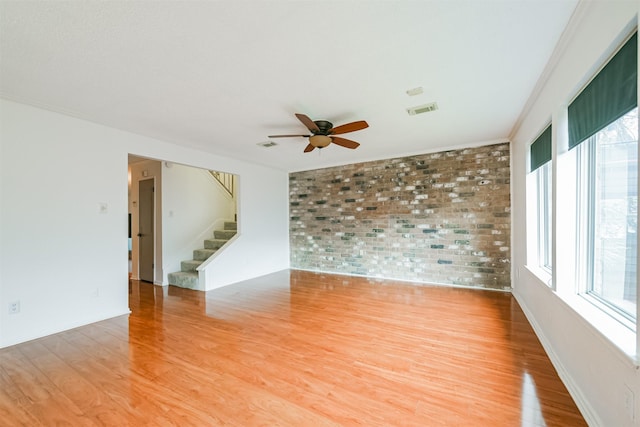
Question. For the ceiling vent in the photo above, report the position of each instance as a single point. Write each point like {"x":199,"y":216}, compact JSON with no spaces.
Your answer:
{"x":426,"y":108}
{"x":267,"y":144}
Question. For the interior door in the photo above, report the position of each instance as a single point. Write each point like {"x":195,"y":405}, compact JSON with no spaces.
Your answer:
{"x":145,"y":229}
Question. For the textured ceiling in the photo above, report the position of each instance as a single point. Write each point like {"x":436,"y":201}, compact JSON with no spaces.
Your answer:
{"x":222,"y":75}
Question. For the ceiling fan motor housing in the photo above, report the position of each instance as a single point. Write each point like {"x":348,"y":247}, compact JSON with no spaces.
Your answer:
{"x":324,"y":127}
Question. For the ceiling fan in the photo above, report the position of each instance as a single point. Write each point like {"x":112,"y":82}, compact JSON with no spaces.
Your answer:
{"x":322,"y":133}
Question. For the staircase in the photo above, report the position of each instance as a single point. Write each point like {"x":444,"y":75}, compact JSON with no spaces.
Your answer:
{"x":188,"y":277}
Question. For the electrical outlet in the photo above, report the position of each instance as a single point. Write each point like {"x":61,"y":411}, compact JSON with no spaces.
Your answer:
{"x":629,"y":402}
{"x":14,"y":307}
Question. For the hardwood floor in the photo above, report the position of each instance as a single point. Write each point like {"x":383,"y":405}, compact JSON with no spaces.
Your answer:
{"x":292,"y":349}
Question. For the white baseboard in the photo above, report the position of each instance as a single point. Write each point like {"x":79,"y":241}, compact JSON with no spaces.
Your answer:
{"x":587,"y":411}
{"x":66,"y":327}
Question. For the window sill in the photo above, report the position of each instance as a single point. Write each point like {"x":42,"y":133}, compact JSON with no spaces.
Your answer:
{"x":543,"y":275}
{"x":609,"y":328}
{"x":606,"y":327}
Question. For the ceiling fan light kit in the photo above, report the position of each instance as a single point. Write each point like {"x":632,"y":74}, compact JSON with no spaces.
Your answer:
{"x":322,"y":132}
{"x":319,"y":141}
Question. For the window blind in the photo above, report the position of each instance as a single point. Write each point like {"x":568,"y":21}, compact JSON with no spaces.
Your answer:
{"x":610,"y":95}
{"x":541,"y":149}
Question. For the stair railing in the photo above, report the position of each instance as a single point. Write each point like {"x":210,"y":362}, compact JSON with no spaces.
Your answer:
{"x":226,"y":180}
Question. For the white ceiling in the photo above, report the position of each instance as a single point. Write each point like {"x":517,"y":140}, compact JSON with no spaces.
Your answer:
{"x":222,"y":75}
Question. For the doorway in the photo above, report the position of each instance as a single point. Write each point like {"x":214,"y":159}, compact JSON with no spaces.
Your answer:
{"x":146,"y":238}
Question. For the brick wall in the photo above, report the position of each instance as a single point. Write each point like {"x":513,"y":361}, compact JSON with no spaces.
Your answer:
{"x":435,"y":218}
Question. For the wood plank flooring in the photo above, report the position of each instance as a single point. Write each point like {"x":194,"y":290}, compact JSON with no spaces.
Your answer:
{"x":292,"y":349}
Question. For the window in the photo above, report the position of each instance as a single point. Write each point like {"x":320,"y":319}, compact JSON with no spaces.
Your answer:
{"x":541,"y":167}
{"x":603,"y":128}
{"x":608,"y":171}
{"x":543,"y":179}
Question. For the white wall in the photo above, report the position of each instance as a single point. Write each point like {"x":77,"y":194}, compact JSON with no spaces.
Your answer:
{"x":596,"y":371}
{"x":64,"y":260}
{"x":193,"y":204}
{"x":259,"y":231}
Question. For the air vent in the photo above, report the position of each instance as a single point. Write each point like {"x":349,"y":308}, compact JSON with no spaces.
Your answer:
{"x":267,"y":144}
{"x":426,"y":108}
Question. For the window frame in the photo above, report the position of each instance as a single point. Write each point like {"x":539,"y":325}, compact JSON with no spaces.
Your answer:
{"x":544,"y":217}
{"x":586,"y":213}
{"x":539,"y":203}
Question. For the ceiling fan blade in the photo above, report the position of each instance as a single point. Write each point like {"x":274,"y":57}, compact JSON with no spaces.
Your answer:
{"x":350,"y":127}
{"x":309,"y":148}
{"x":287,"y":136}
{"x":347,"y":143}
{"x":308,"y":122}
